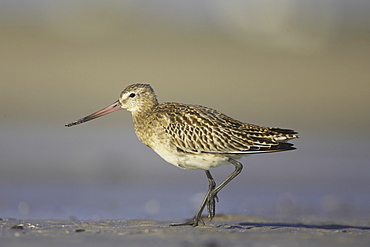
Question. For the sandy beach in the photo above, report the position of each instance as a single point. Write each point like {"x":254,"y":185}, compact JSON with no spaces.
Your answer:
{"x":224,"y":230}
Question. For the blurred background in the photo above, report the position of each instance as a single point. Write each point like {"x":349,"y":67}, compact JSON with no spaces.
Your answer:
{"x":289,"y":63}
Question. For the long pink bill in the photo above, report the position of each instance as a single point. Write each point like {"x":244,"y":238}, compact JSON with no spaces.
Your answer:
{"x":112,"y":108}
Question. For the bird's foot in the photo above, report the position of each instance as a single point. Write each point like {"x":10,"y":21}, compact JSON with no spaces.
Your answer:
{"x":211,"y":205}
{"x":193,"y":222}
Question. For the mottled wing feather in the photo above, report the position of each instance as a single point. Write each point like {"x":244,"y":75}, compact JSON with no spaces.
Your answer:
{"x":199,"y":129}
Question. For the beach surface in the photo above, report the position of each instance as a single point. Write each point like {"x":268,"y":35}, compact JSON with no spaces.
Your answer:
{"x":223,"y":230}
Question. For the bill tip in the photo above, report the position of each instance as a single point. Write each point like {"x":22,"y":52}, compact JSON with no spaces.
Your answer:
{"x":70,"y":124}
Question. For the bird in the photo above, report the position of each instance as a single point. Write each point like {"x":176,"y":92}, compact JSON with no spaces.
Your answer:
{"x":195,"y":137}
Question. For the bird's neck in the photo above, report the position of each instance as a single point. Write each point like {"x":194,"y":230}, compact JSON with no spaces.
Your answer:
{"x":142,"y":126}
{"x":142,"y":114}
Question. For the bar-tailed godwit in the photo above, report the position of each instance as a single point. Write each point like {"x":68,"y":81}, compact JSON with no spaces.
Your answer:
{"x":195,"y":137}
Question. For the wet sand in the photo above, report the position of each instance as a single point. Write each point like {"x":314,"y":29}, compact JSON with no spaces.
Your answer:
{"x":224,"y":230}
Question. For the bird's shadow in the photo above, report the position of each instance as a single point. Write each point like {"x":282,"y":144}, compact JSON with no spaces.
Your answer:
{"x":250,"y":225}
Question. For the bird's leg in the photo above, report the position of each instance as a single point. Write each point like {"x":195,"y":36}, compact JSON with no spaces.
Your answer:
{"x":195,"y":220}
{"x":212,"y":196}
{"x":210,"y":200}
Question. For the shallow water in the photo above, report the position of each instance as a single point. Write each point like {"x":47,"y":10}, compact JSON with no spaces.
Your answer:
{"x":168,"y":202}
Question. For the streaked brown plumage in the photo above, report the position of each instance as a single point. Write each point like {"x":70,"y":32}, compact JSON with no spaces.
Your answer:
{"x":194,"y":136}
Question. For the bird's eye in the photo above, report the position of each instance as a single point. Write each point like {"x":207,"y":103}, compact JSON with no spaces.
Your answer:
{"x":132,"y":95}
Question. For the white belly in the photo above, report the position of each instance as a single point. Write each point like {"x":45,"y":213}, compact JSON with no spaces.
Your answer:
{"x":201,"y":161}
